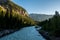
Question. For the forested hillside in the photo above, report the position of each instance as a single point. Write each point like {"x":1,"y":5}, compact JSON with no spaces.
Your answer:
{"x":13,"y":16}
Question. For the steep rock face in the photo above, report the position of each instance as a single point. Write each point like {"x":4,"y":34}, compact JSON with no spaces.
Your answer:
{"x":12,"y":7}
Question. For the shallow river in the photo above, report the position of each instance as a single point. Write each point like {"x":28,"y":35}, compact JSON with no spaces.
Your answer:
{"x":27,"y":33}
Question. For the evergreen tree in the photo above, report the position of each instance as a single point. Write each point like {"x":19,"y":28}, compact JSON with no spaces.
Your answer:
{"x":52,"y":25}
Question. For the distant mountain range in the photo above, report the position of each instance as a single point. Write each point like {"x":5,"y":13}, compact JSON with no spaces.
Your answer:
{"x":40,"y":17}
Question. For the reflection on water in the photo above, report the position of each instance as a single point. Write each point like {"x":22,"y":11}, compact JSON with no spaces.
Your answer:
{"x":27,"y":33}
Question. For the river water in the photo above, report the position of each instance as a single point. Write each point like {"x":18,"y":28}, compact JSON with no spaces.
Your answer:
{"x":27,"y":33}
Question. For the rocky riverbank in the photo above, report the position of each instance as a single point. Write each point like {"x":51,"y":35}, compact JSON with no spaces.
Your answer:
{"x":6,"y":32}
{"x":47,"y":36}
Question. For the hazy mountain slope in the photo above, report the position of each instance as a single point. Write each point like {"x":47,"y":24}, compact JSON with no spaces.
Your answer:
{"x":40,"y":17}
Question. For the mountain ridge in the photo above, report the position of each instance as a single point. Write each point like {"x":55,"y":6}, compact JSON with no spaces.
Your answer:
{"x":40,"y":17}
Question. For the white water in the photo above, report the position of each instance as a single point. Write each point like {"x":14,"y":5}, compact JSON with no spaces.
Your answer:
{"x":27,"y":33}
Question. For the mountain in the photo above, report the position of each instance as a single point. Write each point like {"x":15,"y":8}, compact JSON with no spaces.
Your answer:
{"x":12,"y":7}
{"x":40,"y":17}
{"x":13,"y":16}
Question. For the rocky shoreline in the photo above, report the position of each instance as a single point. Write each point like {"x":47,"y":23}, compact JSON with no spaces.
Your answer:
{"x":6,"y":32}
{"x":47,"y":37}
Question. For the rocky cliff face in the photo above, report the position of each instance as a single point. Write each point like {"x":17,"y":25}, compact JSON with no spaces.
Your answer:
{"x":12,"y":7}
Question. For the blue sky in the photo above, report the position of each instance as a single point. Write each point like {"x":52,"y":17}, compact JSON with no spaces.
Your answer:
{"x":39,"y":6}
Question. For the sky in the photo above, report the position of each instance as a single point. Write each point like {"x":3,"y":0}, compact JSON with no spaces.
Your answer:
{"x":39,"y":6}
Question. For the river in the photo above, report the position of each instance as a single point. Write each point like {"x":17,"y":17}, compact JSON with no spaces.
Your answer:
{"x":27,"y":33}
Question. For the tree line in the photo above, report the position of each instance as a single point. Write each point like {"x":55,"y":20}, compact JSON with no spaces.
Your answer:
{"x":52,"y":25}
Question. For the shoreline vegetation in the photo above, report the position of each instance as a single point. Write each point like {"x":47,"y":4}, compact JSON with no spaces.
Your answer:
{"x":51,"y":28}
